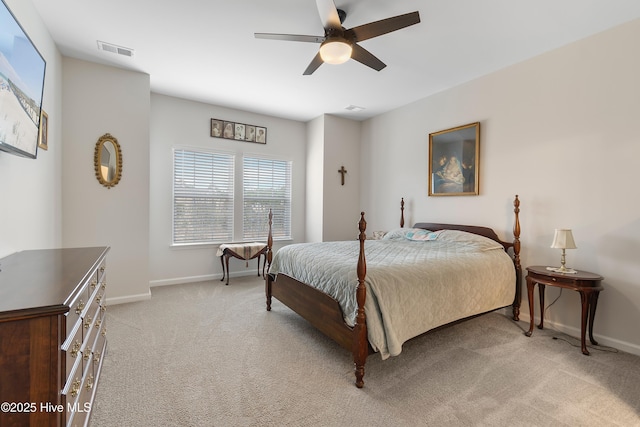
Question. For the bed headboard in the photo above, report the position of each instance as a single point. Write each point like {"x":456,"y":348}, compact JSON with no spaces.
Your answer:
{"x":482,"y":231}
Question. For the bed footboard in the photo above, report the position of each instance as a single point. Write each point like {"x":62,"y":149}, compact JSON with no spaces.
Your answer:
{"x":517,"y":301}
{"x":323,"y":311}
{"x":360,"y":340}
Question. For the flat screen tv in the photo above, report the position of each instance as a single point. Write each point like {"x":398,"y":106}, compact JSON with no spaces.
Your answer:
{"x":22,"y":71}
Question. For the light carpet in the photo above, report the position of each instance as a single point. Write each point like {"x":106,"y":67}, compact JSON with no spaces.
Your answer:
{"x":206,"y":354}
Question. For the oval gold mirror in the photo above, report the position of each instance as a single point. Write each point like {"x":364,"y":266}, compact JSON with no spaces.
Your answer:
{"x":108,"y":160}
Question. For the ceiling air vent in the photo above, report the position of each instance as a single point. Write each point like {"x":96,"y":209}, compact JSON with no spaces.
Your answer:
{"x":354,"y":108}
{"x":115,"y":49}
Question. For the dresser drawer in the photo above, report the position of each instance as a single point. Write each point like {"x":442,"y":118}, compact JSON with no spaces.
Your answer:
{"x":92,"y":286}
{"x":98,"y":353}
{"x":77,"y":412}
{"x":89,"y":340}
{"x":71,"y":348}
{"x":72,"y":389}
{"x":75,"y":311}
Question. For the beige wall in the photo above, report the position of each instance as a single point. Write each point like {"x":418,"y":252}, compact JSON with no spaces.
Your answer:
{"x":341,"y":202}
{"x":180,"y":122}
{"x":561,"y":131}
{"x":332,"y":208}
{"x":98,"y":99}
{"x":314,"y":219}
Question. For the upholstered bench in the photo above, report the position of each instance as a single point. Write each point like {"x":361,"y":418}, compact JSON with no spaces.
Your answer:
{"x":243,"y":251}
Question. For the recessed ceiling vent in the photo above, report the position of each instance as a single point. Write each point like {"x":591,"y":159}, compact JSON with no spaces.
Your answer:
{"x":125,"y":51}
{"x":354,"y":108}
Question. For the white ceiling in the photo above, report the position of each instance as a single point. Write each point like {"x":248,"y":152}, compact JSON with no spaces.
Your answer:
{"x":205,"y":50}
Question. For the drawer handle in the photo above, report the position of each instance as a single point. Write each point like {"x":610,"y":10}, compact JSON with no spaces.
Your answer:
{"x":98,"y":322}
{"x":102,"y":269}
{"x":96,"y":357}
{"x":94,"y":283}
{"x":104,"y":286}
{"x":86,"y":356}
{"x":98,"y":299}
{"x":104,"y":332}
{"x":80,"y":307}
{"x":89,"y":382}
{"x":103,"y":308}
{"x":87,"y":322}
{"x":75,"y":349}
{"x":75,"y":388}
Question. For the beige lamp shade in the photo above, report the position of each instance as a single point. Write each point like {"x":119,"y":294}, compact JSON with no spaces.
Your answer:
{"x":563,"y":239}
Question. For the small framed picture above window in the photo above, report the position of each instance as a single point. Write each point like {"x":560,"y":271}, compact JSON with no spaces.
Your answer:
{"x":261,"y":135}
{"x":238,"y":131}
{"x":228,"y":130}
{"x":250,"y":134}
{"x":216,"y":128}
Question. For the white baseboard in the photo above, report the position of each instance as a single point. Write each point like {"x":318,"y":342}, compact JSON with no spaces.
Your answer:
{"x":176,"y":281}
{"x":193,"y":279}
{"x":129,"y":298}
{"x":575,"y":332}
{"x":180,"y":280}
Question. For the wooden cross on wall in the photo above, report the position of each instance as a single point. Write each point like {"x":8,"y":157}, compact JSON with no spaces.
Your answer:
{"x":342,"y":171}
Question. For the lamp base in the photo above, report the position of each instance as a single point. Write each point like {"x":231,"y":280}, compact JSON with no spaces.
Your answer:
{"x":562,"y":269}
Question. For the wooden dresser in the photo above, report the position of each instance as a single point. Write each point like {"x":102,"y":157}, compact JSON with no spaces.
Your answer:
{"x":52,"y":335}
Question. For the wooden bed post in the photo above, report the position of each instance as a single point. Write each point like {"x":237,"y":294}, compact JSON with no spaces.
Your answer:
{"x":402,"y":213}
{"x":360,"y":343}
{"x":516,"y":259}
{"x":269,"y":257}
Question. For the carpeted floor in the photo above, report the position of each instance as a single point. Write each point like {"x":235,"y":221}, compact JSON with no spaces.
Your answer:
{"x":206,"y":354}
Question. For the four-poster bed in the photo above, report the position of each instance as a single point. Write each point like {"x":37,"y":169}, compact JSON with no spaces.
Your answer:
{"x":396,"y":310}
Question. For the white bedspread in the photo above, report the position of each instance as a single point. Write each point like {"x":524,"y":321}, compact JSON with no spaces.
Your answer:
{"x":412,"y":286}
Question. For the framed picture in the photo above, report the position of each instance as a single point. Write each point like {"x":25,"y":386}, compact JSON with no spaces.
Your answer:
{"x":43,"y":135}
{"x":238,"y":131}
{"x":216,"y":128}
{"x":250,"y":133}
{"x":227,"y":131}
{"x":454,"y":157}
{"x":261,"y":135}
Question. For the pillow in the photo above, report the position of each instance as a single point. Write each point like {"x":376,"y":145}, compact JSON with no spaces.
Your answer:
{"x":396,"y":234}
{"x":402,"y":233}
{"x":419,"y":234}
{"x":377,"y":235}
{"x":480,"y":242}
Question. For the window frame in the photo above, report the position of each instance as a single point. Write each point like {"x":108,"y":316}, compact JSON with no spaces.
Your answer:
{"x":283,"y":219}
{"x":230,"y":174}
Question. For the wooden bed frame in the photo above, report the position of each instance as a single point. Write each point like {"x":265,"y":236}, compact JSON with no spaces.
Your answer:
{"x":324,"y":312}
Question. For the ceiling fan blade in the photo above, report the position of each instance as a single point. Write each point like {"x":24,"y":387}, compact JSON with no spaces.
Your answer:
{"x":384,"y":26}
{"x":328,"y":14}
{"x":290,"y":37}
{"x":315,"y":63}
{"x":365,"y":57}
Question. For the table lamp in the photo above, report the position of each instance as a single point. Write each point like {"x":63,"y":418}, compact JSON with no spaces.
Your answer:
{"x":563,"y":239}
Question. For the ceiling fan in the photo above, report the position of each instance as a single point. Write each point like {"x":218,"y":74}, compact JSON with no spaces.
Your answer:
{"x":339,"y":44}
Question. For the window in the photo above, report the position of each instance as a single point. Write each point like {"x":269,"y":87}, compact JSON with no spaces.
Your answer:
{"x":266,"y":185}
{"x":202,"y":197}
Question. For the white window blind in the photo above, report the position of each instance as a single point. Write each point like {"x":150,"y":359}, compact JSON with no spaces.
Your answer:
{"x":266,"y":185}
{"x":202,"y":197}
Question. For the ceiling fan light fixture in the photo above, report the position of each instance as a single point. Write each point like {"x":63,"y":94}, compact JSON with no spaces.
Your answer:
{"x":335,"y":51}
